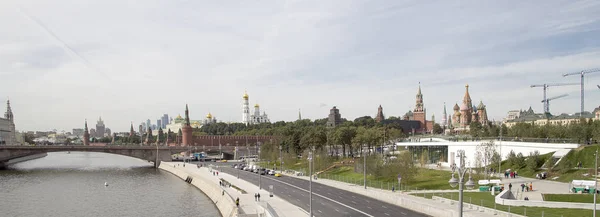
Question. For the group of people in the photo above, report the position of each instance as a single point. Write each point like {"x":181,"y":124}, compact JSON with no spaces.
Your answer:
{"x":510,"y":174}
{"x":525,"y":187}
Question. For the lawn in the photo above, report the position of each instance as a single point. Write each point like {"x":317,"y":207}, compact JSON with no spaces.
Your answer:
{"x":487,"y":200}
{"x":425,"y":179}
{"x":574,"y":198}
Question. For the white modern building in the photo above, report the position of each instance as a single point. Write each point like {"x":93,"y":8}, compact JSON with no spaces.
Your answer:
{"x":445,"y":152}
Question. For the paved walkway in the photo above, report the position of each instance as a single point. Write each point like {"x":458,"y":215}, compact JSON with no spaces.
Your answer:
{"x":398,"y":195}
{"x":247,"y":203}
{"x":539,"y":187}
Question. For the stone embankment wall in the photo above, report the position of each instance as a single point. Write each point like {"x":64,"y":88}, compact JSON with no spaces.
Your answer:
{"x":224,"y":202}
{"x":500,"y":199}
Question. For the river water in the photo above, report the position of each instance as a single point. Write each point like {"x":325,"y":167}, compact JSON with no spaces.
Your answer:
{"x":72,"y":184}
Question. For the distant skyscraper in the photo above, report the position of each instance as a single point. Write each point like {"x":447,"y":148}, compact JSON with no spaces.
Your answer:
{"x":100,"y":128}
{"x":148,"y":124}
{"x":165,"y":120}
{"x":159,"y":123}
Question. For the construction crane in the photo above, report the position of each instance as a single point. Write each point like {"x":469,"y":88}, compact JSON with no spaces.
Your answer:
{"x":582,"y":74}
{"x":545,"y":86}
{"x":598,"y":86}
{"x":547,"y":102}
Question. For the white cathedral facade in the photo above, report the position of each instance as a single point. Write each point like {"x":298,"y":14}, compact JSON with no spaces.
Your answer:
{"x":255,"y":118}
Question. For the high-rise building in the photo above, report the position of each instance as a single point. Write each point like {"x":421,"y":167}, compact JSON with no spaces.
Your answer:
{"x":100,"y":128}
{"x":165,"y":120}
{"x":7,"y":127}
{"x":159,"y":123}
{"x":148,"y":124}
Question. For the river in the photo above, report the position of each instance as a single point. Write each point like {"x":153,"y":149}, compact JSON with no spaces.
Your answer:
{"x":72,"y":184}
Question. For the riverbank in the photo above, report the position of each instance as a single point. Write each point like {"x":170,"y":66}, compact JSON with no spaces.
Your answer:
{"x":22,"y":159}
{"x":224,"y":202}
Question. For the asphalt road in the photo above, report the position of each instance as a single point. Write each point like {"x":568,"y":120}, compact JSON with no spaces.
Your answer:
{"x":327,"y":201}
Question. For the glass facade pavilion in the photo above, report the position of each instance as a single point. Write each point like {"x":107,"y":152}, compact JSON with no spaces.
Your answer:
{"x":434,"y":153}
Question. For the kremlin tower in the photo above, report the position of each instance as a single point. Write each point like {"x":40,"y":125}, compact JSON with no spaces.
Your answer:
{"x":187,"y":129}
{"x":86,"y":135}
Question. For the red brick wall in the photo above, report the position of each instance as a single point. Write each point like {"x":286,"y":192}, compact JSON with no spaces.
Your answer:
{"x":420,"y":116}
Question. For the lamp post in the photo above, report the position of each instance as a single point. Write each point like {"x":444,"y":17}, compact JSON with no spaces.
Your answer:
{"x":595,"y":180}
{"x":236,"y":150}
{"x":461,"y":170}
{"x":259,"y":169}
{"x":310,"y":160}
{"x":280,"y":158}
{"x":364,"y":168}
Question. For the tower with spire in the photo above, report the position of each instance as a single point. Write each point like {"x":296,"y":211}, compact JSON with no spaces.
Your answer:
{"x":245,"y":109}
{"x":131,"y":131}
{"x":299,"y":115}
{"x":7,"y":124}
{"x":419,"y":113}
{"x":186,"y":130}
{"x":86,"y":134}
{"x":379,"y":117}
{"x":444,"y":120}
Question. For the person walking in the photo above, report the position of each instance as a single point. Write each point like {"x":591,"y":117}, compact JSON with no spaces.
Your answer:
{"x":255,"y":197}
{"x":509,"y":186}
{"x":237,"y":202}
{"x":258,"y":196}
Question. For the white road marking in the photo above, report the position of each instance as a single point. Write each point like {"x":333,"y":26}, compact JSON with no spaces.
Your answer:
{"x":386,"y":214}
{"x":353,"y":202}
{"x":337,"y":210}
{"x":324,"y":197}
{"x":384,"y":207}
{"x":328,"y":193}
{"x":289,"y":195}
{"x":403,"y":213}
{"x":323,"y":204}
{"x":353,"y":196}
{"x":369,"y":207}
{"x":319,"y":211}
{"x":367,"y":201}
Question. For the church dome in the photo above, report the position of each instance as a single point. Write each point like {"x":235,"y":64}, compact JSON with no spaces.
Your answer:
{"x":464,"y":107}
{"x":209,"y":116}
{"x":481,"y":106}
{"x":178,"y":117}
{"x":245,"y":95}
{"x":456,"y":107}
{"x":256,"y":105}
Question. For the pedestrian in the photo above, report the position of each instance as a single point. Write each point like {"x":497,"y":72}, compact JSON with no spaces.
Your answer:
{"x":237,"y":202}
{"x":522,"y":187}
{"x":509,"y":186}
{"x":393,"y":188}
{"x":220,"y":183}
{"x":255,"y":197}
{"x":531,"y":186}
{"x":217,"y":173}
{"x":258,"y":196}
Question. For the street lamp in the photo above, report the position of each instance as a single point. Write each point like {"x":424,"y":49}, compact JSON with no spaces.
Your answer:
{"x":364,"y":168}
{"x":259,"y":169}
{"x":280,"y":158}
{"x":310,"y":161}
{"x":461,"y":170}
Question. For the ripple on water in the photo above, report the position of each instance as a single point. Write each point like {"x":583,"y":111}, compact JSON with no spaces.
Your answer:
{"x":72,"y":184}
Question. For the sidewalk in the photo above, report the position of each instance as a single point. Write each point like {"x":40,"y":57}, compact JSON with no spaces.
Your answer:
{"x":402,"y":199}
{"x":247,"y":203}
{"x":539,"y":187}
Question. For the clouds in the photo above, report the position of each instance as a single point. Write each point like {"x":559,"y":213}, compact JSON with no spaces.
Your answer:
{"x":149,"y":58}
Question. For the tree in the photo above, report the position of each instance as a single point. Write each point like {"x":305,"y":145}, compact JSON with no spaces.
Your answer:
{"x":534,"y":161}
{"x":475,"y":129}
{"x":485,"y":152}
{"x":437,"y":129}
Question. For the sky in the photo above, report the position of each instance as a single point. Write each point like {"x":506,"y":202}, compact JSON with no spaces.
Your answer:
{"x":65,"y":61}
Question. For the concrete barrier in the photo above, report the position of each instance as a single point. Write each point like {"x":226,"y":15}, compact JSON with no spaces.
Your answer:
{"x":500,"y":199}
{"x":224,"y":202}
{"x":476,"y":207}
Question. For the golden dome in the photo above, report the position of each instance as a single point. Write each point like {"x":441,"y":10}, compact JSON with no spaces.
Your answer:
{"x":245,"y":95}
{"x":178,"y":117}
{"x":256,"y":105}
{"x":209,"y":116}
